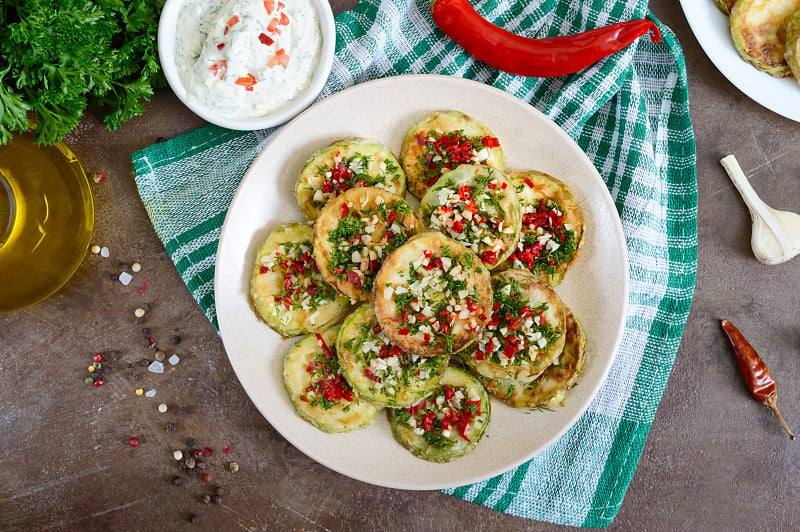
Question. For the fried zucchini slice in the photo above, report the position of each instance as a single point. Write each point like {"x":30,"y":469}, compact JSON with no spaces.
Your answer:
{"x":343,"y":165}
{"x":432,"y":295}
{"x":552,"y":226}
{"x":442,"y":141}
{"x":355,"y":232}
{"x":548,"y":389}
{"x":526,"y":332}
{"x":448,"y":423}
{"x":793,"y":45}
{"x":477,"y":206}
{"x":287,"y":290}
{"x":317,"y":389}
{"x":381,"y":371}
{"x":725,"y":5}
{"x":758,"y":28}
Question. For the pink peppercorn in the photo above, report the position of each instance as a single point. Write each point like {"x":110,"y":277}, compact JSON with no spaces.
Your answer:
{"x":208,"y":451}
{"x":134,"y":441}
{"x":97,"y":357}
{"x":98,"y":383}
{"x":227,"y":449}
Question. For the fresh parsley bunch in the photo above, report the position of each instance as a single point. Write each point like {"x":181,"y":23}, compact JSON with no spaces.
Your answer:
{"x":59,"y":58}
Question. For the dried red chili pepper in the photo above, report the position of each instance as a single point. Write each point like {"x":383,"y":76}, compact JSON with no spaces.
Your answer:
{"x":755,"y":372}
{"x":541,"y":58}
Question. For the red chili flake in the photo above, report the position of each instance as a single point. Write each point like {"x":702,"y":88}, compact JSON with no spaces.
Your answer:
{"x":284,"y":19}
{"x":458,"y":226}
{"x":263,"y":269}
{"x":208,"y":452}
{"x":269,"y":5}
{"x":427,"y":421}
{"x":220,"y":46}
{"x":134,"y":441}
{"x":354,"y":278}
{"x":227,"y":449}
{"x":491,"y":185}
{"x":490,"y":142}
{"x":509,"y":350}
{"x":207,"y":477}
{"x":321,"y":343}
{"x":390,"y":218}
{"x":464,"y":192}
{"x":514,"y":323}
{"x":416,"y":408}
{"x":265,"y":39}
{"x":376,"y":329}
{"x":404,"y":331}
{"x":489,"y":257}
{"x":449,"y":393}
{"x":311,"y":366}
{"x":345,"y":210}
{"x":273,"y":26}
{"x":99,"y":382}
{"x":427,"y":339}
{"x":97,"y":357}
{"x":143,"y":287}
{"x":529,"y":182}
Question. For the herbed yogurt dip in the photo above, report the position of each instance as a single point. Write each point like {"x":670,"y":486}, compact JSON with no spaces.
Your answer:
{"x":246,"y":58}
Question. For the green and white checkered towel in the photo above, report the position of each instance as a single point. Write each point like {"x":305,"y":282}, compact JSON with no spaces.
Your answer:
{"x":630,"y":114}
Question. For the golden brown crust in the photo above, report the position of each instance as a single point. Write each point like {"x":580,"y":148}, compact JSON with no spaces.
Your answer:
{"x":549,"y":388}
{"x":477,"y":206}
{"x":508,"y":348}
{"x":533,"y":186}
{"x":758,"y":29}
{"x":351,"y":162}
{"x":440,"y":260}
{"x":356,"y":281}
{"x":442,"y":123}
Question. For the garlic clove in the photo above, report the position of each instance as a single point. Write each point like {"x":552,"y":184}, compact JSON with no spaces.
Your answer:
{"x":776,"y":234}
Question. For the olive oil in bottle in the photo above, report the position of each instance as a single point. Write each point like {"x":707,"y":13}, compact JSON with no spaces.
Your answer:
{"x":46,"y":220}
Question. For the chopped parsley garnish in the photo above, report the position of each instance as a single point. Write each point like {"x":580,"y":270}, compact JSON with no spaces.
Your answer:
{"x":302,"y":284}
{"x":546,"y":241}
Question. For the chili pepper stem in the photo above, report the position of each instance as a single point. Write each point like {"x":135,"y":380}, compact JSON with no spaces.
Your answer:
{"x":772,"y":402}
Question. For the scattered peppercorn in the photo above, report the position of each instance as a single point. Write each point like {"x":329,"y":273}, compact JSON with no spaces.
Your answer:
{"x":216,"y":499}
{"x":139,"y":391}
{"x":206,"y":499}
{"x":234,"y":467}
{"x":145,"y":332}
{"x":96,"y":376}
{"x":194,"y":518}
{"x":99,"y":382}
{"x":171,"y":427}
{"x":219,"y":491}
{"x":162,"y":408}
{"x":190,"y":462}
{"x":160,"y":355}
{"x":190,"y":441}
{"x":207,"y":452}
{"x":227,"y":449}
{"x":182,"y":411}
{"x":97,"y":357}
{"x":177,"y":480}
{"x":88,"y":380}
{"x":139,"y":312}
{"x":207,"y":477}
{"x":175,"y":339}
{"x":177,"y":455}
{"x":144,"y":362}
{"x":134,"y":441}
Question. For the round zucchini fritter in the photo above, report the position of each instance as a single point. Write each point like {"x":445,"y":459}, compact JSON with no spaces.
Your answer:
{"x":442,"y":141}
{"x":381,"y":371}
{"x":549,"y":388}
{"x":552,"y":227}
{"x":758,"y":28}
{"x":448,"y":423}
{"x":725,"y":5}
{"x":526,"y":332}
{"x":793,"y":45}
{"x":343,"y":165}
{"x":477,"y":206}
{"x":317,"y":389}
{"x":432,"y":295}
{"x":287,"y":290}
{"x":355,"y":232}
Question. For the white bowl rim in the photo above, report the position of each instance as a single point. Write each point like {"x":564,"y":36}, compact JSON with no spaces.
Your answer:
{"x":166,"y":53}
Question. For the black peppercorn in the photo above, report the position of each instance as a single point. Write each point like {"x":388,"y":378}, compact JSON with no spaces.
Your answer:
{"x":177,"y":480}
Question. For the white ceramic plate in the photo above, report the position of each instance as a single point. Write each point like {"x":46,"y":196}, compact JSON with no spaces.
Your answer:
{"x":710,"y":27}
{"x":596,"y":288}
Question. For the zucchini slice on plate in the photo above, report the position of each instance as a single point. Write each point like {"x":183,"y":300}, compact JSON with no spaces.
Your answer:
{"x":758,"y":28}
{"x":552,"y":227}
{"x":549,"y":388}
{"x":432,"y":295}
{"x":441,"y":142}
{"x":725,"y":5}
{"x":526,"y":332}
{"x":380,"y":371}
{"x":355,"y":232}
{"x":343,"y":165}
{"x":793,"y":45}
{"x":477,"y":206}
{"x":287,"y":290}
{"x":446,"y":424}
{"x":318,"y":391}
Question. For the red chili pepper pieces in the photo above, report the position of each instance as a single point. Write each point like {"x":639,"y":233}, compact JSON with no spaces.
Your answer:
{"x":542,"y":58}
{"x":755,"y":372}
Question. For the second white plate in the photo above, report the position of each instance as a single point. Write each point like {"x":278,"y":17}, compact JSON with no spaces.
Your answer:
{"x":596,"y":288}
{"x":710,"y":27}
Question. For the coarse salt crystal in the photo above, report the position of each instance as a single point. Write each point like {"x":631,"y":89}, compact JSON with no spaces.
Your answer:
{"x":151,"y":392}
{"x":104,"y":252}
{"x":156,"y":367}
{"x":174,"y":359}
{"x":125,"y":278}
